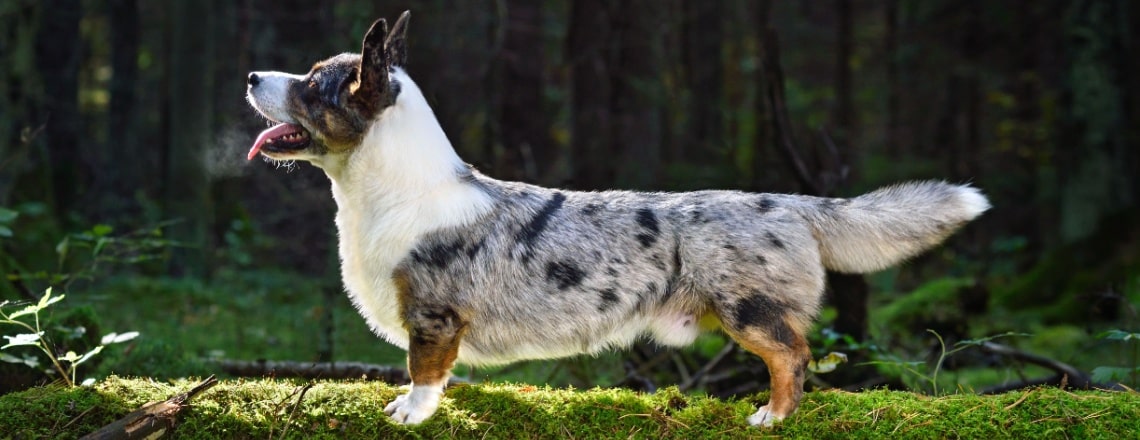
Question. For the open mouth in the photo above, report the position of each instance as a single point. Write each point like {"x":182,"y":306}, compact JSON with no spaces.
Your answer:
{"x":280,"y":138}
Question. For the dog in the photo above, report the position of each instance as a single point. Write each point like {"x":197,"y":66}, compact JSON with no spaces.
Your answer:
{"x":455,"y":266}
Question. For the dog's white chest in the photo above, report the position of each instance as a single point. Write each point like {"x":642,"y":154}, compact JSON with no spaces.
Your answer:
{"x":376,"y":234}
{"x":369,"y":251}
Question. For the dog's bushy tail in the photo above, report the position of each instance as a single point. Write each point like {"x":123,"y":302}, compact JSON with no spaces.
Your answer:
{"x":884,"y":227}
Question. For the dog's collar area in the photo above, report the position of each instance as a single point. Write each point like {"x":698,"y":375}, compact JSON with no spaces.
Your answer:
{"x":280,"y":138}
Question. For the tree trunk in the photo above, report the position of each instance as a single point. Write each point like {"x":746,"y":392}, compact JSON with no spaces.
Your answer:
{"x":636,"y":129}
{"x":844,"y":105}
{"x":528,"y":151}
{"x":704,"y":78}
{"x":122,"y":150}
{"x":891,"y":50}
{"x":588,"y":39}
{"x":1094,"y":182}
{"x":189,"y":111}
{"x":58,"y":56}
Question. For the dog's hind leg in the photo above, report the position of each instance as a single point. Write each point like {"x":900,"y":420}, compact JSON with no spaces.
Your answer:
{"x":434,"y":335}
{"x":764,"y":327}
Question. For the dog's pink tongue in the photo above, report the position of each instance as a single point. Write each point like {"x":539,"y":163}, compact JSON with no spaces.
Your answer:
{"x":270,"y":133}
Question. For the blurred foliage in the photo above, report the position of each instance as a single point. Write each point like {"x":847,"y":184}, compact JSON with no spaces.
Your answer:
{"x":1030,"y":101}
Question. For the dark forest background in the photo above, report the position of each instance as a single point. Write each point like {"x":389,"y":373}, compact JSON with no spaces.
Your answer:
{"x":123,"y":131}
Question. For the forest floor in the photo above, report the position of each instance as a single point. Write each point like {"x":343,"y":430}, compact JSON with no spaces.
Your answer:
{"x":268,"y":408}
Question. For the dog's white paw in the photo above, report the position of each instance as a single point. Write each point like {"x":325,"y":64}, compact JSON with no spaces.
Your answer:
{"x":416,"y":406}
{"x":763,"y":418}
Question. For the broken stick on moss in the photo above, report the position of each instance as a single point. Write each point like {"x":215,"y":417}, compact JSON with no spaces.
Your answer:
{"x":153,"y":420}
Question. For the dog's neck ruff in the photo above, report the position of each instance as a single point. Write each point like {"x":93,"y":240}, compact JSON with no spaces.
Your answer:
{"x":406,"y":159}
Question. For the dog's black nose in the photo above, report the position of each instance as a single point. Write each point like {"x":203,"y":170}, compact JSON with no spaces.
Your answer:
{"x":253,"y":79}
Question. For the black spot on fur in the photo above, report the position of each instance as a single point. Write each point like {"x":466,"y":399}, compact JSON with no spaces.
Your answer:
{"x":564,"y":274}
{"x":761,"y":311}
{"x":658,"y":261}
{"x":533,"y":229}
{"x":591,"y":209}
{"x":609,"y":299}
{"x":698,"y":216}
{"x":672,"y":284}
{"x":474,"y":249}
{"x":611,"y":271}
{"x":729,"y":247}
{"x":765,"y":204}
{"x":761,"y":260}
{"x":648,"y":220}
{"x":439,"y":255}
{"x":772,"y":238}
{"x":432,"y":325}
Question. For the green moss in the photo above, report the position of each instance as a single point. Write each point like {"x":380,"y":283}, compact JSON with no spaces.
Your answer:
{"x":237,"y":409}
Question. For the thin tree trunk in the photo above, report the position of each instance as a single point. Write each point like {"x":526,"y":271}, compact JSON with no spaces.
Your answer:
{"x":122,"y":150}
{"x":587,"y":44}
{"x":636,"y":131}
{"x":58,"y":56}
{"x":970,"y":167}
{"x":528,"y":151}
{"x":845,"y":107}
{"x":189,"y":115}
{"x":702,"y":24}
{"x":891,"y":44}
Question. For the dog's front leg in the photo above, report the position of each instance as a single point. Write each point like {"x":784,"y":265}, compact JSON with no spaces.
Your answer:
{"x":434,"y":334}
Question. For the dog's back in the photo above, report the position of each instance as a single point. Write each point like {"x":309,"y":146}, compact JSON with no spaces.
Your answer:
{"x":551,"y":273}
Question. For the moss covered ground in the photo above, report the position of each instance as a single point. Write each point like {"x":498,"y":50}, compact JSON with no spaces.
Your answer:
{"x":262,"y":409}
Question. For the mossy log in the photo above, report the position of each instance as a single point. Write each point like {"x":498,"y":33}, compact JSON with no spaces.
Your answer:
{"x":249,"y":409}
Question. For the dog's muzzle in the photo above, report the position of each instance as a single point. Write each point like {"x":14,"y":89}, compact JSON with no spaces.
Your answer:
{"x":268,"y":92}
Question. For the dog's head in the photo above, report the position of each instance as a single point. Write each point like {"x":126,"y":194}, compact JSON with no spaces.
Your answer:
{"x":328,"y":110}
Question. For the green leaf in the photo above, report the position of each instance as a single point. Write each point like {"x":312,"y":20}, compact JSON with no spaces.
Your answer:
{"x":1112,"y":374}
{"x":99,"y":244}
{"x":48,"y":300}
{"x":5,"y":231}
{"x":827,"y":363}
{"x":24,"y":339}
{"x":72,"y":332}
{"x":101,"y":230}
{"x":26,"y":360}
{"x":88,"y":355}
{"x":70,"y":356}
{"x":7,"y":215}
{"x":45,"y":301}
{"x":115,"y":338}
{"x":1118,"y":335}
{"x":34,"y":308}
{"x":62,"y":247}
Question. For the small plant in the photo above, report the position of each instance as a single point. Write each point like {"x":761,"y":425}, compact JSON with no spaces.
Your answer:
{"x":932,"y":377}
{"x":1106,"y":374}
{"x":64,"y":365}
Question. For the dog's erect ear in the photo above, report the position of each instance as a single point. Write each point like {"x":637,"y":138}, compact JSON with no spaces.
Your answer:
{"x":396,"y":46}
{"x":373,"y":73}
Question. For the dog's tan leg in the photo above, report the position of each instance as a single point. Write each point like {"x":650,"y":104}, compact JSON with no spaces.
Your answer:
{"x":434,"y":335}
{"x":785,"y":352}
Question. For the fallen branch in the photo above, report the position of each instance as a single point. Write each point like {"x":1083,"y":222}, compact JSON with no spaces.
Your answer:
{"x":1067,"y":375}
{"x":153,"y":420}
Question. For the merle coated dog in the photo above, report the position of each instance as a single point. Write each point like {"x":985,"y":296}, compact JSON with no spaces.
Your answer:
{"x":455,"y":266}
